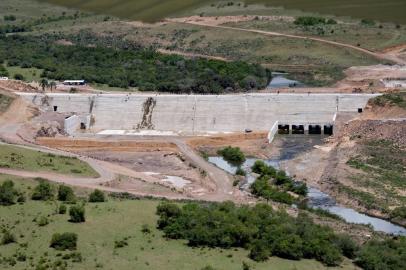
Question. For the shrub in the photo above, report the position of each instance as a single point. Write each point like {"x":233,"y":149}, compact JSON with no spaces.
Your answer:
{"x":309,"y":21}
{"x":9,"y":17}
{"x":62,"y":209}
{"x":18,"y":77}
{"x":120,"y":243}
{"x":262,"y":230}
{"x":7,"y":193}
{"x":42,"y":221}
{"x":240,"y":171}
{"x":347,"y":246}
{"x":66,"y":194}
{"x":145,"y":229}
{"x":77,"y":214}
{"x":234,"y":155}
{"x":43,"y":191}
{"x":97,"y":196}
{"x":399,"y":212}
{"x":64,"y":241}
{"x":8,"y":238}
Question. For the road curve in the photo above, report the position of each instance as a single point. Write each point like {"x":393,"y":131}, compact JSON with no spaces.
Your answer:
{"x":382,"y":56}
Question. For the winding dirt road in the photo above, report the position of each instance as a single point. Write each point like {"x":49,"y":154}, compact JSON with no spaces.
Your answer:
{"x":205,"y":21}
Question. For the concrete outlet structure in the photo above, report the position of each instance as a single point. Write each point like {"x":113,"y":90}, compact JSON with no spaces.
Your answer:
{"x":204,"y":114}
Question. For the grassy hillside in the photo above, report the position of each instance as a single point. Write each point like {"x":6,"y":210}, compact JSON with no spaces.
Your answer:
{"x":24,"y":159}
{"x":100,"y":236}
{"x":388,"y":10}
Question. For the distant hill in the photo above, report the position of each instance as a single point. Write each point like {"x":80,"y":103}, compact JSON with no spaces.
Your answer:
{"x":151,"y":10}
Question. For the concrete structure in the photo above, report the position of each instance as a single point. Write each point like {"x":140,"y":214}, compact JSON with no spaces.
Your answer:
{"x":75,"y":122}
{"x":394,"y":82}
{"x":201,"y":114}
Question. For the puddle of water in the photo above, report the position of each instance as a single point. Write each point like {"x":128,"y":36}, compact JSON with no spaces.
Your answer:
{"x":176,"y":181}
{"x":280,"y":81}
{"x":291,"y":147}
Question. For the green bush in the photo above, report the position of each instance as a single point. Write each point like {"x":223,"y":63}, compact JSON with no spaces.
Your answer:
{"x":62,"y":209}
{"x":240,"y":171}
{"x":123,"y":64}
{"x":233,"y":155}
{"x":262,"y":230}
{"x":64,"y":241}
{"x":311,"y":21}
{"x":8,"y":238}
{"x":18,"y":77}
{"x":399,"y":212}
{"x":66,"y":194}
{"x":77,"y":214}
{"x":8,"y":193}
{"x":97,"y":196}
{"x":43,"y":191}
{"x":389,"y":254}
{"x":9,"y":17}
{"x":348,"y":247}
{"x":42,"y":221}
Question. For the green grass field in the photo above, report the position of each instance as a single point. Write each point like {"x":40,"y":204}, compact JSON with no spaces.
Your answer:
{"x":29,"y":74}
{"x":25,"y":159}
{"x":113,"y":221}
{"x":388,"y":10}
{"x":373,"y":37}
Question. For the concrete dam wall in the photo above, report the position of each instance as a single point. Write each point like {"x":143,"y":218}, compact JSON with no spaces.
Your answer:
{"x":194,"y":114}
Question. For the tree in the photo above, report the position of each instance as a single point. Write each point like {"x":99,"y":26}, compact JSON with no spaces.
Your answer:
{"x":44,"y":84}
{"x":97,"y":196}
{"x":234,"y":155}
{"x":43,"y":192}
{"x":8,"y":238}
{"x":77,"y":214}
{"x":66,"y":194}
{"x":7,"y":193}
{"x":18,"y":77}
{"x":64,"y":241}
{"x":52,"y":85}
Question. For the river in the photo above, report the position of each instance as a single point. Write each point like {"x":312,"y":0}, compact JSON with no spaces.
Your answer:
{"x":292,"y":146}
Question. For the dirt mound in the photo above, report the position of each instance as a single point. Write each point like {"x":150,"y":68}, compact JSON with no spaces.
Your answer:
{"x":375,"y":130}
{"x":17,"y":86}
{"x":92,"y":145}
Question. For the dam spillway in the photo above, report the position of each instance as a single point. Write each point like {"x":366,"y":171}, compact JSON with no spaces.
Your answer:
{"x":199,"y":114}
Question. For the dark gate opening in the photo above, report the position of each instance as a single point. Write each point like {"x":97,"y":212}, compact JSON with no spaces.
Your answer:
{"x":55,"y":108}
{"x":314,"y":129}
{"x":298,"y":129}
{"x":82,"y":126}
{"x":328,"y":129}
{"x":283,"y":129}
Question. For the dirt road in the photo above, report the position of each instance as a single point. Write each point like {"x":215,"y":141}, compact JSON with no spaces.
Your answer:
{"x":206,"y":21}
{"x":222,"y":180}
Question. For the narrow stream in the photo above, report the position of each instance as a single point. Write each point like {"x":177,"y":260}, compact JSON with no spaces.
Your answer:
{"x":291,"y":146}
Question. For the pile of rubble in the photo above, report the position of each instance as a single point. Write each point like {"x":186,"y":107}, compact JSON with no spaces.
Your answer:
{"x":393,"y":130}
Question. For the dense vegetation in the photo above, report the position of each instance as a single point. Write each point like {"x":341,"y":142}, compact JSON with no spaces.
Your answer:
{"x":260,"y":229}
{"x":233,"y":155}
{"x":274,"y":184}
{"x":139,"y":67}
{"x":64,"y":241}
{"x":389,"y":254}
{"x":311,"y":21}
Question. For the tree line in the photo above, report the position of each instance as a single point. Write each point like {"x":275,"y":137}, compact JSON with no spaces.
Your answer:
{"x":266,"y":232}
{"x":141,"y":68}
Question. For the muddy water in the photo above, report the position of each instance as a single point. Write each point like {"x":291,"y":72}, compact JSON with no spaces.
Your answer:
{"x":291,"y":146}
